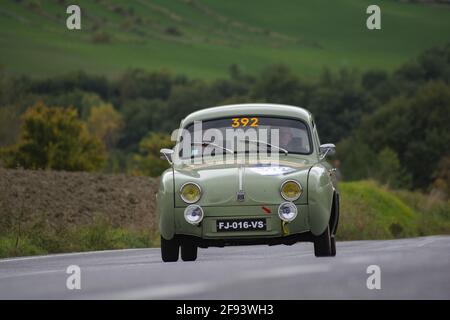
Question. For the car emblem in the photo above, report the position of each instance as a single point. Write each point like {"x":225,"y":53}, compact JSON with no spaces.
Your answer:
{"x":240,"y":196}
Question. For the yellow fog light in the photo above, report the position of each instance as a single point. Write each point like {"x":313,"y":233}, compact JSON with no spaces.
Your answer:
{"x":291,"y":190}
{"x":190,"y":192}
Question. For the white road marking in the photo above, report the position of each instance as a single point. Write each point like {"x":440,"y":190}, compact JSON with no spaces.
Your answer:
{"x":283,"y":272}
{"x":33,"y":273}
{"x":157,"y":292}
{"x":425,"y":242}
{"x":72,"y":254}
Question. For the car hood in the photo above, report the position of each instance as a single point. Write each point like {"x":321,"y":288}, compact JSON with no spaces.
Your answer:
{"x":259,"y":181}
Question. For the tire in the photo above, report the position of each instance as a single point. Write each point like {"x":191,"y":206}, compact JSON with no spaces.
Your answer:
{"x":322,"y":244}
{"x":188,"y":251}
{"x":333,"y":245}
{"x":170,"y":249}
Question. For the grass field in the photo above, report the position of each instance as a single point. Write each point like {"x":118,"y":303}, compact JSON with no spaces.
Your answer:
{"x":203,"y":38}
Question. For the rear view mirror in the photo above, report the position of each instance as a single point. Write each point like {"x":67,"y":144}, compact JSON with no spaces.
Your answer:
{"x":327,"y":149}
{"x":167,"y":154}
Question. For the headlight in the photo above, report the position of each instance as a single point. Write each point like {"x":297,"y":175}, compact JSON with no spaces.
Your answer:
{"x":291,"y":190}
{"x":287,"y":211}
{"x":190,"y":192}
{"x":193,"y":214}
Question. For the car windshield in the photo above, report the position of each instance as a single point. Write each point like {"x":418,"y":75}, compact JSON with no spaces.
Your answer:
{"x":256,"y":133}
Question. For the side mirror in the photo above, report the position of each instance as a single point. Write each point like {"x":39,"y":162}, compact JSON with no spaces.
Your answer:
{"x":327,"y":149}
{"x":167,"y":154}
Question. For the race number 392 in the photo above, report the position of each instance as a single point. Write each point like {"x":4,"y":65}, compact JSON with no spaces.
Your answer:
{"x":249,"y":309}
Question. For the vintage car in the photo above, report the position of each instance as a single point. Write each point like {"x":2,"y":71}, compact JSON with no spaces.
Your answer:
{"x":278,"y":192}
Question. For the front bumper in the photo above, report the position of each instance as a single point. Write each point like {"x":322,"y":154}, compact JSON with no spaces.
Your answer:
{"x":207,"y":228}
{"x":286,"y":240}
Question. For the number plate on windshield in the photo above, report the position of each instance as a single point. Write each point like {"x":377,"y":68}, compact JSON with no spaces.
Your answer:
{"x":241,"y":225}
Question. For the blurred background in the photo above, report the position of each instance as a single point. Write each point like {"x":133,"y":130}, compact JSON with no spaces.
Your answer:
{"x":83,"y":113}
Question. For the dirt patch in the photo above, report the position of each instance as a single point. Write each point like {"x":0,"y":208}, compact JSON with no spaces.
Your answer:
{"x":77,"y":197}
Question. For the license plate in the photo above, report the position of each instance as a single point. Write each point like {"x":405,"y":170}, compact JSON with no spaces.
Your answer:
{"x":256,"y":224}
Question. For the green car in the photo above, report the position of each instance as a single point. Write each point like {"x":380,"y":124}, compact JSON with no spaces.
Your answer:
{"x":247,"y":174}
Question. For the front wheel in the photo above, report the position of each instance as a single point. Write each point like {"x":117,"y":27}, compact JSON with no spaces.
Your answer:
{"x":333,"y":245}
{"x":170,"y":249}
{"x":323,"y":246}
{"x":188,"y":251}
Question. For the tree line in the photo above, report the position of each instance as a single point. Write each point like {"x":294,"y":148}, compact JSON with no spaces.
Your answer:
{"x":389,"y":126}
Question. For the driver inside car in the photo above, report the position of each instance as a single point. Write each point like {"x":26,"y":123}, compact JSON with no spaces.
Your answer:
{"x":291,"y":142}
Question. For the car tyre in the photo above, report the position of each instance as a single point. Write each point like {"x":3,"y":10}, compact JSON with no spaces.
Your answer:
{"x":170,"y":249}
{"x":188,"y":251}
{"x":333,"y":245}
{"x":322,"y":244}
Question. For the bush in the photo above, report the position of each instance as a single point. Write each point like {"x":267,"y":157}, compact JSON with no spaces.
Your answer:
{"x":357,"y":158}
{"x":54,"y":138}
{"x":433,"y":211}
{"x":12,"y":247}
{"x":173,"y":31}
{"x":105,"y":123}
{"x":389,"y":171}
{"x":34,"y":5}
{"x":441,"y":177}
{"x":148,"y":161}
{"x":101,"y":37}
{"x":415,"y":127}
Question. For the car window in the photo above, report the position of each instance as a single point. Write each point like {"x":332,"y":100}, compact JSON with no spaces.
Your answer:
{"x":293,"y":134}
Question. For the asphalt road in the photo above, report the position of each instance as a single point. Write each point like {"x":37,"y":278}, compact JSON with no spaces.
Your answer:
{"x":416,"y":268}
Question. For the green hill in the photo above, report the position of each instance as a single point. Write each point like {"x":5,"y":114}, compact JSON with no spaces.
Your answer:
{"x":203,"y":38}
{"x":369,"y":211}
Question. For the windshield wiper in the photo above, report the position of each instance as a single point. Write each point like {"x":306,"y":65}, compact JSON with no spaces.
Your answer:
{"x":267,"y":144}
{"x":207,"y":143}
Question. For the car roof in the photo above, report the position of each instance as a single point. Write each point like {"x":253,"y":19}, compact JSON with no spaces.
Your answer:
{"x":257,"y":109}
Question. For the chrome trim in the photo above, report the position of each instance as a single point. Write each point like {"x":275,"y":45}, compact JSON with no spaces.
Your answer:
{"x":196,"y":206}
{"x":290,"y":203}
{"x":241,"y":178}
